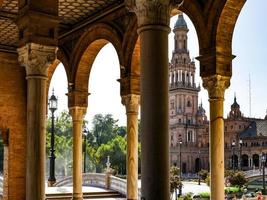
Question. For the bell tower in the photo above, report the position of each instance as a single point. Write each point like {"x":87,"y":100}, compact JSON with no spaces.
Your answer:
{"x":186,"y":117}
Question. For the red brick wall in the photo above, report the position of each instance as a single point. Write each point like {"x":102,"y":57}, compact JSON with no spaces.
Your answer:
{"x":13,"y":116}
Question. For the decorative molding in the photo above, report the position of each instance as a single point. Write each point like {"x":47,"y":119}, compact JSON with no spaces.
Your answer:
{"x":36,"y":58}
{"x":131,"y":102}
{"x":77,"y":113}
{"x":77,"y":98}
{"x":216,"y":85}
{"x":149,"y":12}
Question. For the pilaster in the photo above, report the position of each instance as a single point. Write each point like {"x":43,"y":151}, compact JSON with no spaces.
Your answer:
{"x":216,"y":86}
{"x":77,"y":113}
{"x":131,"y":103}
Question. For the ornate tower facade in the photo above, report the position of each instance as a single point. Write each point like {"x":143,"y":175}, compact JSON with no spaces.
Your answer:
{"x":187,"y":119}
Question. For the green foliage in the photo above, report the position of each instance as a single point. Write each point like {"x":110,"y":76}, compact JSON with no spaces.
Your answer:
{"x":238,"y":179}
{"x":175,"y":181}
{"x":204,"y":195}
{"x":105,"y":128}
{"x":231,"y":190}
{"x":207,"y":180}
{"x":116,"y":149}
{"x":188,"y":196}
{"x":105,"y":139}
{"x":203,"y":174}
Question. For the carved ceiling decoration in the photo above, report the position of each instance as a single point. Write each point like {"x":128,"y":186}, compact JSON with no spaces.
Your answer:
{"x":8,"y":33}
{"x":10,"y":6}
{"x":73,"y":11}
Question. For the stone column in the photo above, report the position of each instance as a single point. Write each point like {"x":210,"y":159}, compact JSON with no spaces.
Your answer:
{"x":153,"y":28}
{"x":36,"y":59}
{"x":131,"y":103}
{"x":216,"y":86}
{"x":77,"y":113}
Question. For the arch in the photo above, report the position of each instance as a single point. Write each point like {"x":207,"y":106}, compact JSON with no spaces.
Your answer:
{"x":226,"y":24}
{"x":234,"y":160}
{"x":195,"y":13}
{"x":61,"y":58}
{"x":86,"y":50}
{"x":197,"y":165}
{"x":255,"y":160}
{"x":244,"y":160}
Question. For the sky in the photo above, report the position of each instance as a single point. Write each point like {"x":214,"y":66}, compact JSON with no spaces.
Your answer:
{"x":249,"y":46}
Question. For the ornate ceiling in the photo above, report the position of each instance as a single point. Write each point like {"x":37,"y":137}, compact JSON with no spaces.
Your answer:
{"x":71,"y":12}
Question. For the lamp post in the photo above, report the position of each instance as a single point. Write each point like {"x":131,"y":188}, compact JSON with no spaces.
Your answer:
{"x":85,"y":133}
{"x":199,"y":167}
{"x":233,"y":160}
{"x":52,"y":107}
{"x":240,"y":154}
{"x":180,"y":186}
{"x":263,"y":161}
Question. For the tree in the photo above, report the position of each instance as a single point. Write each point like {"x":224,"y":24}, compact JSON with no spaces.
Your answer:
{"x":175,"y":181}
{"x":104,"y":129}
{"x":203,"y":174}
{"x":238,"y":179}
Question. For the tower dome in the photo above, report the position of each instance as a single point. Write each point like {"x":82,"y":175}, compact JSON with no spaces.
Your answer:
{"x":180,"y":23}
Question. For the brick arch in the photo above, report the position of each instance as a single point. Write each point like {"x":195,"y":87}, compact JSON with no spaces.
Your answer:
{"x":130,"y":74}
{"x":226,"y":25}
{"x":61,"y":58}
{"x":86,"y":51}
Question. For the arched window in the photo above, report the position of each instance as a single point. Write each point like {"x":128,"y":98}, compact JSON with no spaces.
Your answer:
{"x":189,"y":103}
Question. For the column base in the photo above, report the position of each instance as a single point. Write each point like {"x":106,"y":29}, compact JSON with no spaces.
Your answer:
{"x":77,"y":197}
{"x":51,"y":183}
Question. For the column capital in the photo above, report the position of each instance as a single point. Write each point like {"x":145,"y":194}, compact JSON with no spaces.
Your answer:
{"x":77,"y":98}
{"x":77,"y":113}
{"x":131,"y":102}
{"x":156,"y":12}
{"x":36,"y":58}
{"x":216,"y":85}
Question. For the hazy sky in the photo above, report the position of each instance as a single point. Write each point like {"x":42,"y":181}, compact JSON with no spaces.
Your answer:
{"x":249,"y":46}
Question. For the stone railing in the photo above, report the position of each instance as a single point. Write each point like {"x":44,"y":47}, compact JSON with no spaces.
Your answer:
{"x":252,"y":173}
{"x":100,"y":180}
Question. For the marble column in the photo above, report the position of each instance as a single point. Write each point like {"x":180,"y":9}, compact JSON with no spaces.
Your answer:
{"x":77,"y":113}
{"x":216,"y":86}
{"x":153,"y":28}
{"x":131,"y":103}
{"x":36,"y":59}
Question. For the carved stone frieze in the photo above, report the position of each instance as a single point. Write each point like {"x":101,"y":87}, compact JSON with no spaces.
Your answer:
{"x":131,"y":102}
{"x":36,"y":58}
{"x":150,"y":12}
{"x":216,"y":85}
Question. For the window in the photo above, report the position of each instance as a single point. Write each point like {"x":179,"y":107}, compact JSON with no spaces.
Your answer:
{"x":188,"y":103}
{"x":232,"y":127}
{"x":225,"y":128}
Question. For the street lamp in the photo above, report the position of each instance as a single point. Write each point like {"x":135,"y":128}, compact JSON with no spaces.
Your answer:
{"x":263,"y":161}
{"x":52,"y":107}
{"x":180,"y":186}
{"x":85,"y":133}
{"x":199,"y":167}
{"x":240,"y":157}
{"x":233,"y":160}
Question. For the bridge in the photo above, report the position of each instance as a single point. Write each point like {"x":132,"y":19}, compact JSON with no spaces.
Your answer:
{"x":101,"y":185}
{"x":255,"y":179}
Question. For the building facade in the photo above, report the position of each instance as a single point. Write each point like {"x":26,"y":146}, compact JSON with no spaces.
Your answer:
{"x":245,"y":138}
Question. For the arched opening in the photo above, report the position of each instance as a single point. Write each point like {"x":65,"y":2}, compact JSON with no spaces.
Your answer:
{"x":106,"y":114}
{"x":234,"y":161}
{"x":244,"y":161}
{"x":58,"y":126}
{"x":197,"y":165}
{"x":255,"y":160}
